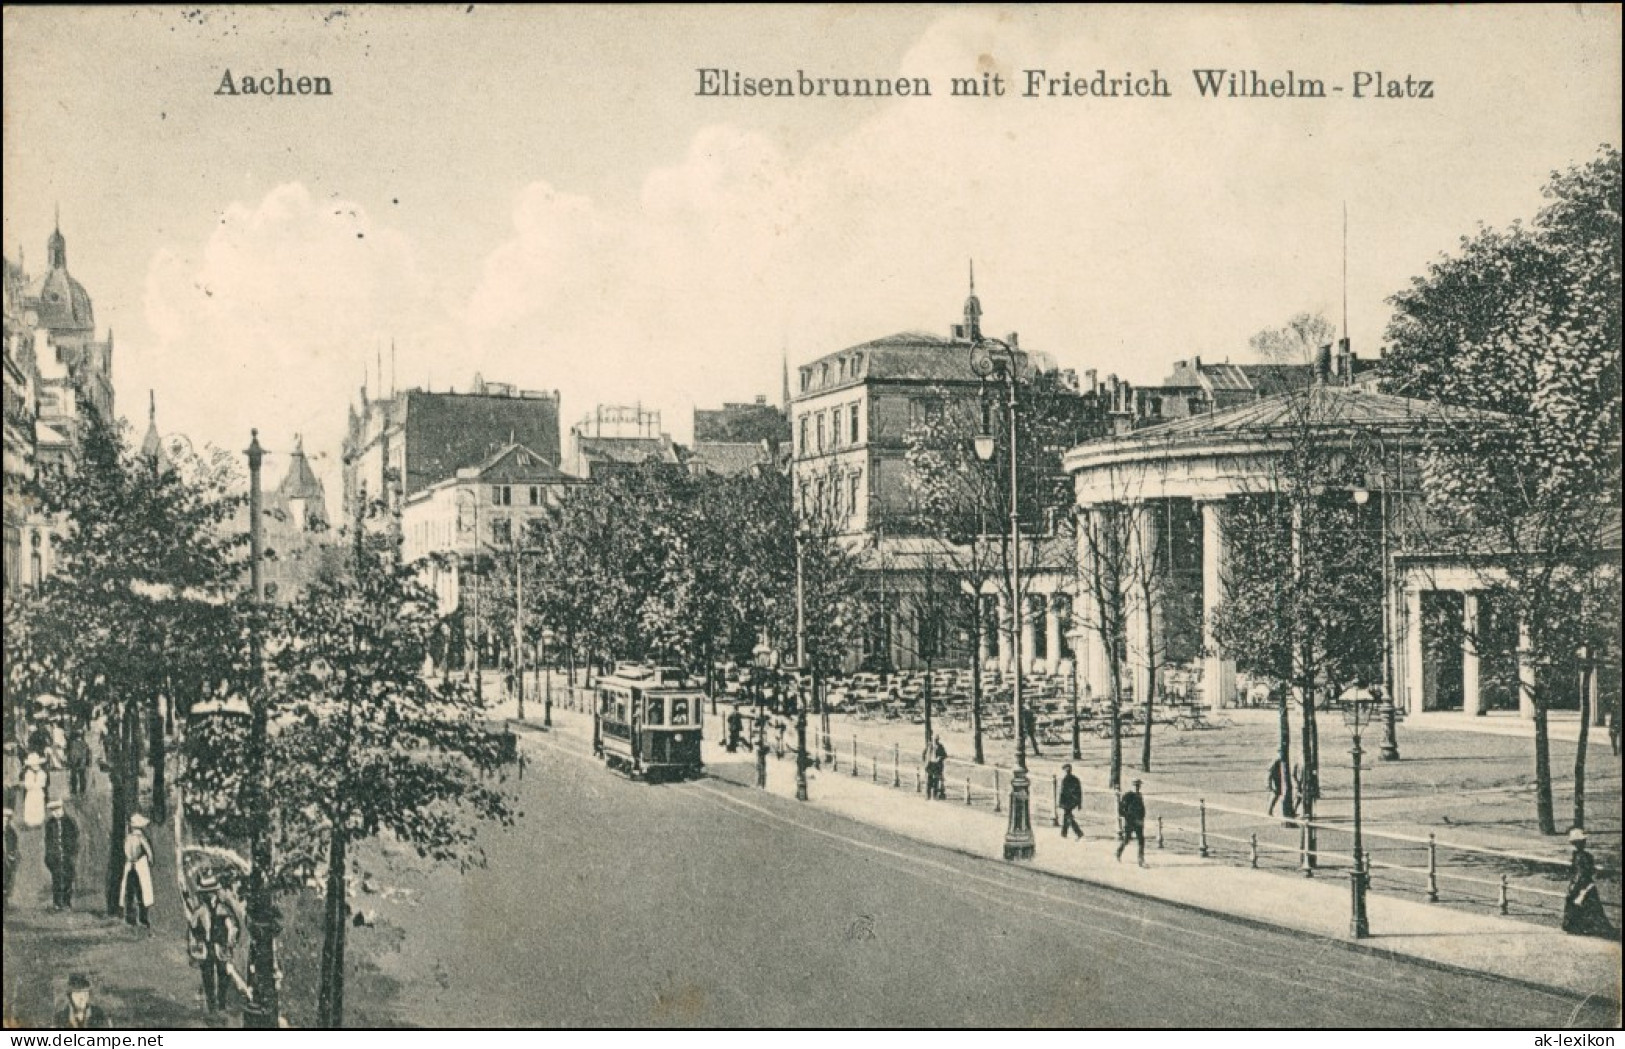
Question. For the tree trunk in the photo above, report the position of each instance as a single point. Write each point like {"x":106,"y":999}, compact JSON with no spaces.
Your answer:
{"x":1284,"y":749}
{"x":928,"y":702}
{"x":1151,"y":687}
{"x":976,"y":697}
{"x":160,"y":752}
{"x":1311,"y":769}
{"x":1115,"y":780}
{"x":1580,"y":751}
{"x":330,"y":1001}
{"x":1543,"y":767}
{"x":122,"y":805}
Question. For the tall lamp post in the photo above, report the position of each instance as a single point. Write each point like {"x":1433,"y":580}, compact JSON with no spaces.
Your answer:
{"x":994,"y":358}
{"x":764,"y":663}
{"x":479,"y":676}
{"x":1362,"y":495}
{"x":1357,"y":711}
{"x":801,"y":669}
{"x":262,"y":1010}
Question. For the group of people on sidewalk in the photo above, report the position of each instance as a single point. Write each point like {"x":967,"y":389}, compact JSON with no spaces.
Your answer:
{"x":1130,"y":813}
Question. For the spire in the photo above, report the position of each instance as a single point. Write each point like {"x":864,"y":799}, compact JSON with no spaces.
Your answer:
{"x":56,"y":249}
{"x":784,"y":368}
{"x":973,"y":309}
{"x":152,"y":446}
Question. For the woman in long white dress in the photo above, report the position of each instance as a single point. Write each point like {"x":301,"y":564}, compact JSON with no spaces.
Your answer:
{"x":35,"y":781}
{"x":137,"y":880}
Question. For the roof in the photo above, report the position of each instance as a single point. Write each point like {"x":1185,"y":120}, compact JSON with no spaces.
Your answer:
{"x":627,"y":449}
{"x":517,"y":464}
{"x":300,"y":482}
{"x":728,"y":458}
{"x":448,"y":431}
{"x":912,"y":356}
{"x":60,"y":302}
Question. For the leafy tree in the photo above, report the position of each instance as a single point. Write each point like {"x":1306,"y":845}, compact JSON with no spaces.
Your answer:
{"x":1525,"y":323}
{"x":364,"y":744}
{"x":142,"y":550}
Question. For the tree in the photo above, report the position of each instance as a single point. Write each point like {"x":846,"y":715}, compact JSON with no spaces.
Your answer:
{"x":365,"y":745}
{"x":141,"y":551}
{"x":1525,"y":323}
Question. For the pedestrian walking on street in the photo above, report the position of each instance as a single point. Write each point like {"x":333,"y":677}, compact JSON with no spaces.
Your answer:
{"x":14,"y":857}
{"x":61,"y":854}
{"x":1277,"y":787}
{"x":780,"y":726}
{"x":80,"y":1013}
{"x":1071,"y":801}
{"x":1029,"y":727}
{"x":736,"y":729}
{"x":78,"y":764}
{"x":212,"y":939}
{"x":939,"y":754}
{"x":1131,"y":809}
{"x":1582,"y":907}
{"x":1613,"y":725}
{"x":137,"y":879}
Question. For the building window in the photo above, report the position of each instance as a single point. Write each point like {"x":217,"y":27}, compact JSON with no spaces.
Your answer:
{"x":823,"y":375}
{"x":803,"y":435}
{"x":856,"y":490}
{"x":535,"y":495}
{"x":840,"y":368}
{"x":501,"y":495}
{"x":820,"y":431}
{"x":502,"y":532}
{"x":854,"y":424}
{"x":806,"y":377}
{"x":835,"y":428}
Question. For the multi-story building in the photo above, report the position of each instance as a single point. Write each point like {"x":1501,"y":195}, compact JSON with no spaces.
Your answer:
{"x":852,"y":415}
{"x":617,"y":436}
{"x":738,"y":438}
{"x":398,"y":445}
{"x":57,"y":376}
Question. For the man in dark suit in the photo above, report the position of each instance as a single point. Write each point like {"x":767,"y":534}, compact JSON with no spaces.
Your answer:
{"x":80,"y":1013}
{"x":61,"y":853}
{"x":1071,"y":801}
{"x":14,"y":856}
{"x":1131,"y":809}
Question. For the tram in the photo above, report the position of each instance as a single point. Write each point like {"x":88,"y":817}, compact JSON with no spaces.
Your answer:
{"x":646,"y":723}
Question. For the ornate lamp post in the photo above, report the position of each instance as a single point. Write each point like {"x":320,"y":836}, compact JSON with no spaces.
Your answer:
{"x":262,"y":1008}
{"x":992,"y":358}
{"x":1362,"y":495}
{"x":801,"y":669}
{"x":764,"y":658}
{"x":1357,"y":711}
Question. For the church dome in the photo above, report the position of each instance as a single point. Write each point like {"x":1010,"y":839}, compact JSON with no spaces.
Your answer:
{"x":60,"y":302}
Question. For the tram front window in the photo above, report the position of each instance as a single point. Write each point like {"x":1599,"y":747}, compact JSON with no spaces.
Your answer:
{"x":656,"y":713}
{"x":679,"y":712}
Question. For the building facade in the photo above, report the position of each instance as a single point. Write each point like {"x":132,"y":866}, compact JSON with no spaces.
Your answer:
{"x":615,"y":437}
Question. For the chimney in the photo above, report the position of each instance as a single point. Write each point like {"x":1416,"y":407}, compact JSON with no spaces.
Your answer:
{"x":761,"y":398}
{"x":1089,"y":385}
{"x":1196,"y":364}
{"x":1343,"y":369}
{"x":1323,"y":364}
{"x":1015,"y":341}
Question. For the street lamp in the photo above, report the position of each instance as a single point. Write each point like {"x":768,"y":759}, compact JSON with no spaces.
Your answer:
{"x":763,"y":657}
{"x":990,"y":358}
{"x":1357,"y":711}
{"x":1362,"y":495}
{"x":801,"y":668}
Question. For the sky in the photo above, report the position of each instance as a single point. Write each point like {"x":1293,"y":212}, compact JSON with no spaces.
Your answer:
{"x":541,"y":196}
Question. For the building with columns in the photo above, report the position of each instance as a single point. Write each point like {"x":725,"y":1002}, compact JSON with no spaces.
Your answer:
{"x":1159,"y":496}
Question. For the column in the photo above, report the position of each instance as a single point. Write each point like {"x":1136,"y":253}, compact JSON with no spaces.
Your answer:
{"x":1141,"y":627}
{"x":1526,"y":671}
{"x":1086,"y":619}
{"x":1004,"y":633}
{"x":1414,"y":699}
{"x":984,"y":639}
{"x":1472,"y":698}
{"x":1029,"y":627}
{"x":1052,"y":633}
{"x":1218,"y":673}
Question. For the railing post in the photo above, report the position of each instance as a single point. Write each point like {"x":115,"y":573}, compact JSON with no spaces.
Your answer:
{"x":1159,"y":832}
{"x":1054,"y":800}
{"x":1252,"y":849}
{"x":1201,"y":813}
{"x":1433,"y":870}
{"x":874,"y":769}
{"x":1304,"y":865}
{"x":917,"y":779}
{"x":854,"y":756}
{"x":998,"y":789}
{"x":1503,"y":901}
{"x":896,"y":766}
{"x":967,"y":789}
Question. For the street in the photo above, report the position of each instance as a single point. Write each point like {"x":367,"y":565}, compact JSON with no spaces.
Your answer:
{"x":712,"y":904}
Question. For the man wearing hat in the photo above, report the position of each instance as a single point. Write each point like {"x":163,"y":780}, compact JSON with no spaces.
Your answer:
{"x":80,"y":1013}
{"x":137,"y":878}
{"x":1131,"y":809}
{"x":214,"y":934}
{"x":14,"y":856}
{"x":1071,"y":801}
{"x":61,"y":853}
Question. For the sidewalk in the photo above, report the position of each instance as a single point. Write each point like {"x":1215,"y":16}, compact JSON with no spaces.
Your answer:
{"x":1415,"y":931}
